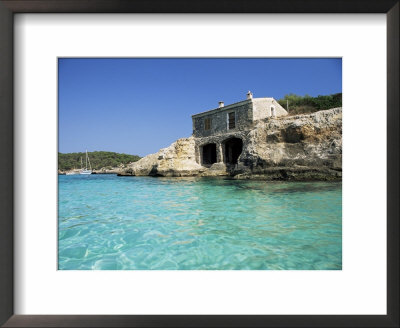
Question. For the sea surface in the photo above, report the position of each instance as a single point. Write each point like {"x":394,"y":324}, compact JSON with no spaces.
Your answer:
{"x":106,"y":222}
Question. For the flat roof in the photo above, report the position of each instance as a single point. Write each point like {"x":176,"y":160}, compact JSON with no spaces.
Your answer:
{"x":230,"y":106}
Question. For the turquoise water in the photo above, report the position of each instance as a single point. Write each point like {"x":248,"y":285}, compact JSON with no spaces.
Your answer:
{"x":140,"y":223}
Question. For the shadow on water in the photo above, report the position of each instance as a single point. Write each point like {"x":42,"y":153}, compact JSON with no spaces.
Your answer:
{"x":272,"y":186}
{"x":284,"y":187}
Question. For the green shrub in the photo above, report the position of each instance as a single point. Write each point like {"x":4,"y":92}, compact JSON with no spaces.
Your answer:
{"x":98,"y":159}
{"x":308,"y":104}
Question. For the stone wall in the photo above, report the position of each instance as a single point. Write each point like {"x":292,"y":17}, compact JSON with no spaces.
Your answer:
{"x":302,"y":147}
{"x":262,"y":108}
{"x":247,"y":112}
{"x":219,"y":141}
{"x":219,"y":122}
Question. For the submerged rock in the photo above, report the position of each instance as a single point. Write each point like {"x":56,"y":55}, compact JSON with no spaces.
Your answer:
{"x":301,"y":147}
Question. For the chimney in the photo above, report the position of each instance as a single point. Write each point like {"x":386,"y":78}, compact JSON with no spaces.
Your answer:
{"x":220,"y":104}
{"x":249,"y":95}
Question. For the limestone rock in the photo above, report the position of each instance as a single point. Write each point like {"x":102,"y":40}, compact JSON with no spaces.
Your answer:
{"x":145,"y":166}
{"x":176,"y":160}
{"x":301,"y":147}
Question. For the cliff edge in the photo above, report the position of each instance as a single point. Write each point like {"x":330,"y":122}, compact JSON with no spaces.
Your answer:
{"x":301,"y":147}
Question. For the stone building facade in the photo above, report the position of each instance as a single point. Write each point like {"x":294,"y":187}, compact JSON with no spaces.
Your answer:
{"x":221,"y":133}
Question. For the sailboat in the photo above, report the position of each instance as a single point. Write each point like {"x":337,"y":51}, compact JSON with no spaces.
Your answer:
{"x":86,"y":170}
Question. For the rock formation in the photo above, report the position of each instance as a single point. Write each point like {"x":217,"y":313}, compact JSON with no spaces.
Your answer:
{"x":301,"y":147}
{"x":176,"y":160}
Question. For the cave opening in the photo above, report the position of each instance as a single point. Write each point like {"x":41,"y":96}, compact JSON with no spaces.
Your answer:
{"x":209,"y":154}
{"x":233,"y":149}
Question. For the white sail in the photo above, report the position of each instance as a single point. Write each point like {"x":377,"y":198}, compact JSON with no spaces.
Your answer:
{"x":86,"y":170}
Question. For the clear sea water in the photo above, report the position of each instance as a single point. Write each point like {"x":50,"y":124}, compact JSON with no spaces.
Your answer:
{"x":108,"y":222}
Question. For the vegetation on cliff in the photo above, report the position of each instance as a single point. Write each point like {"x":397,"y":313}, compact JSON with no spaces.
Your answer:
{"x":307,"y":104}
{"x":98,"y":160}
{"x":298,"y":148}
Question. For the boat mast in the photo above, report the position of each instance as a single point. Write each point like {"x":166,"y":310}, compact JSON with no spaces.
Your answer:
{"x":86,"y":160}
{"x":90,"y":166}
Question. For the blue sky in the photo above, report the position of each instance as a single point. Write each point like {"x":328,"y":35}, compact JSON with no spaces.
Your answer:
{"x":137,"y":106}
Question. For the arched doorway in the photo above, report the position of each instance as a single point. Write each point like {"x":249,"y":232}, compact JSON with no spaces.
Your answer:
{"x":233,"y":149}
{"x":209,"y":154}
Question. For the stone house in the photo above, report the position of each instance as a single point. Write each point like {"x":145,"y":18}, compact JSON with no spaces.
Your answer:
{"x":221,"y":133}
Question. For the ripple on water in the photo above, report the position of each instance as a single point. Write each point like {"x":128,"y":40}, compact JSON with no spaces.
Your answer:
{"x":140,"y":223}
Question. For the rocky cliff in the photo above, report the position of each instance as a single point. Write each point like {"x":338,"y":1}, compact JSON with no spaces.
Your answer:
{"x":302,"y":147}
{"x":176,"y":160}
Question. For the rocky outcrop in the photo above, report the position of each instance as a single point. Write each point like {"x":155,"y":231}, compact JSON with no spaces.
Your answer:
{"x":177,"y":160}
{"x":302,"y":147}
{"x":104,"y":170}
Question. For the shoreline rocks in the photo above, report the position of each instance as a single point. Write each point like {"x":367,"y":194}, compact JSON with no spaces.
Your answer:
{"x":294,"y":148}
{"x":103,"y":170}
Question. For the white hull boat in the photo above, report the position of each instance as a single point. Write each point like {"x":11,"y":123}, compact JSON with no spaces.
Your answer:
{"x":87,"y":170}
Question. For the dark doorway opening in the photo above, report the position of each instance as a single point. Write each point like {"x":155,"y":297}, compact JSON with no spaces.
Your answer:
{"x":209,"y":154}
{"x":233,"y":149}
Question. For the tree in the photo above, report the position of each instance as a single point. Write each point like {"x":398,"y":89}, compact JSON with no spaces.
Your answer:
{"x":308,"y":104}
{"x":98,"y":159}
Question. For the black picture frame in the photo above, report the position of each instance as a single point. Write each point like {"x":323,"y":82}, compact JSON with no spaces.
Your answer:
{"x":10,"y":7}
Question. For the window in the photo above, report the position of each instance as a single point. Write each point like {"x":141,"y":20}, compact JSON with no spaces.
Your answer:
{"x":231,"y":121}
{"x":207,"y":123}
{"x":273,"y":111}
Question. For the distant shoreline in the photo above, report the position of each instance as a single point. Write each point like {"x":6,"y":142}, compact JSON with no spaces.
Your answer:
{"x":104,"y":161}
{"x":263,"y":178}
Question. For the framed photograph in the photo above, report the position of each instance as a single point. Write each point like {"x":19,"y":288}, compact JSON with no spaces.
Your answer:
{"x":206,"y":164}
